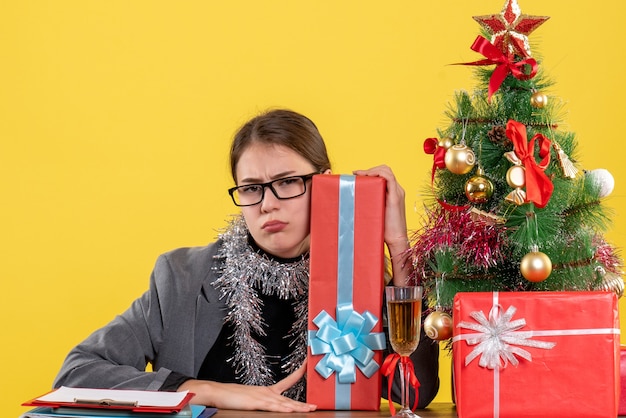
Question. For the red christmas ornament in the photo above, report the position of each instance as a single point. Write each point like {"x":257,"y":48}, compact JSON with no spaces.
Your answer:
{"x":510,"y":28}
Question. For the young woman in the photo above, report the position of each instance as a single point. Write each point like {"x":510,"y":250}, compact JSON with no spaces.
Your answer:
{"x":228,"y":321}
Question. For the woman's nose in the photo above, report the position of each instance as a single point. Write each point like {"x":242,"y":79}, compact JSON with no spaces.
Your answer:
{"x":270,"y":201}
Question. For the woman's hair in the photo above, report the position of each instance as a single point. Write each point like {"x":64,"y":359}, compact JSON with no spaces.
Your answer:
{"x":281,"y":127}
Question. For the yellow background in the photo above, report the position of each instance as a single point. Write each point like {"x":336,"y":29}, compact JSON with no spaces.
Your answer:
{"x":116,"y":116}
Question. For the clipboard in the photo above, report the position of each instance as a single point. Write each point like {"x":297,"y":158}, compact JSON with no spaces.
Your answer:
{"x":119,"y":399}
{"x":189,"y":411}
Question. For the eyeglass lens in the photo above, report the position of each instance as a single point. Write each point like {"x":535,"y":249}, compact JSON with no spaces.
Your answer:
{"x":282,"y":188}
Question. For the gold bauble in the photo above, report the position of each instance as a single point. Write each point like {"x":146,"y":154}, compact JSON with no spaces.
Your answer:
{"x":612,"y":282}
{"x":478,"y":189}
{"x":438,"y":325}
{"x":445,"y":143}
{"x":536,"y":266}
{"x":460,"y":159}
{"x":516,"y":176}
{"x":538,"y":100}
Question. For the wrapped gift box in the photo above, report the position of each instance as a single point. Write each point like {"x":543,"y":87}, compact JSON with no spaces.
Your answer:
{"x":536,"y":354}
{"x":346,"y":292}
{"x":622,"y":366}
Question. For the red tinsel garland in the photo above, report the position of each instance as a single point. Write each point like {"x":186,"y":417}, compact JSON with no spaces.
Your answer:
{"x":477,"y":242}
{"x":605,"y":255}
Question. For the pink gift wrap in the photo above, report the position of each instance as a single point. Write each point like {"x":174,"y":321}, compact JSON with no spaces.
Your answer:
{"x":346,"y":291}
{"x":536,"y":354}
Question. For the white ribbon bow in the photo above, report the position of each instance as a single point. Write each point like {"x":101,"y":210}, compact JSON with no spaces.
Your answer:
{"x":497,"y":340}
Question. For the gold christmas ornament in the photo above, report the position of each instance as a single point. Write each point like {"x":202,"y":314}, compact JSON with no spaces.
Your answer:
{"x":611,"y":282}
{"x":569,"y":169}
{"x":516,"y":178}
{"x":445,"y":143}
{"x":538,"y":100}
{"x":479,"y":188}
{"x":536,"y":266}
{"x":460,"y":159}
{"x":487,"y":218}
{"x":438,"y":325}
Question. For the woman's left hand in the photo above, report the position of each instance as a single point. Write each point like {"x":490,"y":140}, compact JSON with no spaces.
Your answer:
{"x":396,"y":236}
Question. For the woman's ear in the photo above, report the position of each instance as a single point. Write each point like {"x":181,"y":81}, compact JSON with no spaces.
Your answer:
{"x":327,"y":171}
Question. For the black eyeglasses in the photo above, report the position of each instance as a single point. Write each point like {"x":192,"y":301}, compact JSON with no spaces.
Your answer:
{"x":284,"y":188}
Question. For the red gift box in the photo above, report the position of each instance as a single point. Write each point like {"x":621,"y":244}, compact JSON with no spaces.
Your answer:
{"x":622,"y":366}
{"x":539,"y":354}
{"x":346,"y":292}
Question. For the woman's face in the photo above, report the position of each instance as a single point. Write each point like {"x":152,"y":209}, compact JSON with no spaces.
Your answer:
{"x":279,"y":227}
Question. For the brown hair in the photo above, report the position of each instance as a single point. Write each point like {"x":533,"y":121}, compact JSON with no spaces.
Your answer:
{"x":281,"y":127}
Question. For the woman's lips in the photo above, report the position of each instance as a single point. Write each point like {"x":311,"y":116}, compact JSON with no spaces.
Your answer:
{"x":274,"y":226}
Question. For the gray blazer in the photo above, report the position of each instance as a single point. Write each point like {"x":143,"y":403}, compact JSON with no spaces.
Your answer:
{"x":174,"y":324}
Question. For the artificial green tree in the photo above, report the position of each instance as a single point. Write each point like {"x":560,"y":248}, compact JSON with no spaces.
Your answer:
{"x":509,"y":206}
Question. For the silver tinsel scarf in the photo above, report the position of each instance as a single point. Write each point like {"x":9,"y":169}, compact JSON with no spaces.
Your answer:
{"x":242,"y":271}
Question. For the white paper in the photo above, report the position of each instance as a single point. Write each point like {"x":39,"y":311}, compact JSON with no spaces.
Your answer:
{"x":141,"y":397}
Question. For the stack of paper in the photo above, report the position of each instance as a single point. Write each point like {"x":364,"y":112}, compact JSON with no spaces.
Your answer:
{"x":102,"y":403}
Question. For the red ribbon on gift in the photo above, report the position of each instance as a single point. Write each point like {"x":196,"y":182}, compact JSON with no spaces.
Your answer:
{"x":504,"y":64}
{"x":389,"y":368}
{"x":538,"y":186}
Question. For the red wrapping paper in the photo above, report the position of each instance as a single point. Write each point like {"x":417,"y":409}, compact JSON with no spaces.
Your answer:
{"x":578,"y":376}
{"x":622,"y":366}
{"x":367,"y":281}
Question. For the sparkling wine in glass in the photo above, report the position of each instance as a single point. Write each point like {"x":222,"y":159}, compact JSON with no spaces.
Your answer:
{"x":404,"y":314}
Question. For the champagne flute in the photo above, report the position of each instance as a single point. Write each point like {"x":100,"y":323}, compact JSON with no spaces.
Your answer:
{"x":404,"y":314}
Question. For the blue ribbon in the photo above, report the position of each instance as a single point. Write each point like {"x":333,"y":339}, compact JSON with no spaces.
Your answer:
{"x":345,"y":273}
{"x":345,"y":240}
{"x":346,"y":344}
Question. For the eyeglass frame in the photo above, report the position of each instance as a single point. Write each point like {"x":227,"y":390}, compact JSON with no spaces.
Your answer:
{"x":269,"y":185}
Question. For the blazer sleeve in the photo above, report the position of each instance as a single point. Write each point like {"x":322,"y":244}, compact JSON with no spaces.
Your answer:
{"x":116,"y":355}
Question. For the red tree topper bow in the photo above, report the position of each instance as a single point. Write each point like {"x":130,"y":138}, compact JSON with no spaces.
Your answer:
{"x":538,"y":186}
{"x":389,"y":368}
{"x":504,"y":64}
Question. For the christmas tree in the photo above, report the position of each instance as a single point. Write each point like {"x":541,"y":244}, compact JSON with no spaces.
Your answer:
{"x":509,"y":206}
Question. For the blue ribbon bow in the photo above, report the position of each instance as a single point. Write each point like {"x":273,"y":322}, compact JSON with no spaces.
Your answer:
{"x":346,"y":343}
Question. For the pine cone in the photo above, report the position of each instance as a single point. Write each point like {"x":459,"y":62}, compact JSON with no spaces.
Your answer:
{"x":497,"y":134}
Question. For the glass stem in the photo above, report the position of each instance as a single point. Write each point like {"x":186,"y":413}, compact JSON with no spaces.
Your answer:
{"x":404,"y":384}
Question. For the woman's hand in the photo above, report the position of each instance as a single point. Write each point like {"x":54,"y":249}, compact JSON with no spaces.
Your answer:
{"x":244,"y":397}
{"x":395,"y":223}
